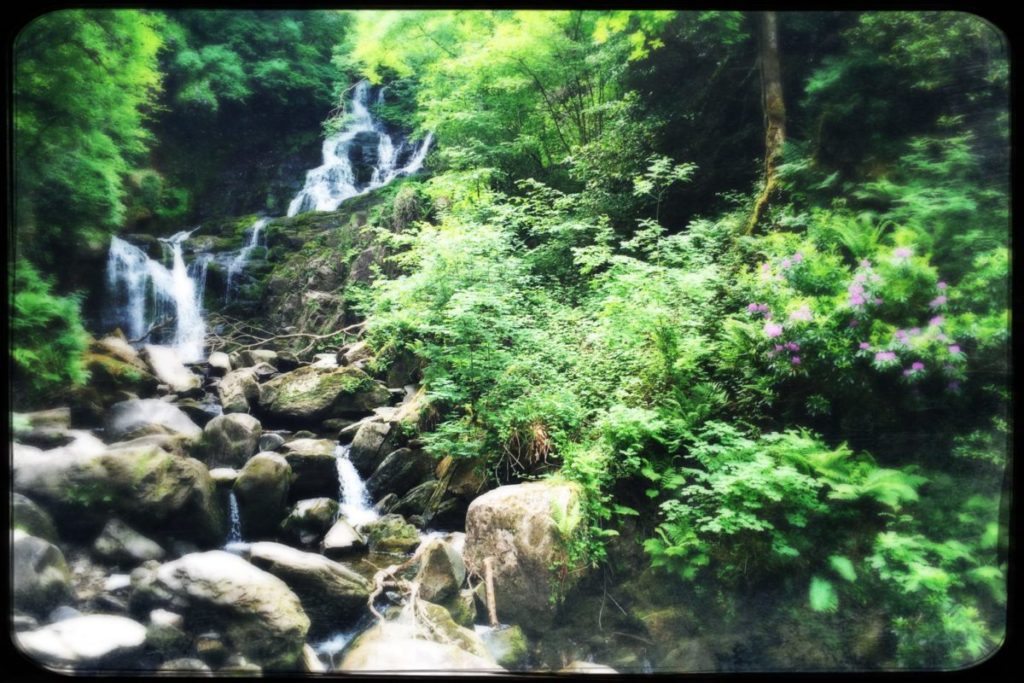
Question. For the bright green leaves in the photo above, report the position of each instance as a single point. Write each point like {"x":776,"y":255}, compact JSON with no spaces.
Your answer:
{"x":842,"y":566}
{"x":822,"y":595}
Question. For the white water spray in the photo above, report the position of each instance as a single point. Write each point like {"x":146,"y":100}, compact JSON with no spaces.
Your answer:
{"x":354,"y":502}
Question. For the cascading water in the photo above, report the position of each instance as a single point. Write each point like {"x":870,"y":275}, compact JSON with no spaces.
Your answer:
{"x":335,"y":180}
{"x":237,"y":264}
{"x":354,"y":502}
{"x":235,"y":532}
{"x":143,"y":292}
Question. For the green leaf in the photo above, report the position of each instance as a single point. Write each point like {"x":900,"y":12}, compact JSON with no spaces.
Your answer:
{"x":843,"y":567}
{"x":822,"y":595}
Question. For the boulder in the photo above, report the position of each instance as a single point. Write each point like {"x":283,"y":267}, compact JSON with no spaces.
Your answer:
{"x":32,"y":519}
{"x":516,"y":525}
{"x":220,"y":363}
{"x":95,"y":641}
{"x":43,"y":428}
{"x":110,"y":380}
{"x":168,"y":368}
{"x":121,"y":545}
{"x":62,"y":613}
{"x":391,"y":534}
{"x":324,"y":361}
{"x":342,"y":540}
{"x":332,"y":595}
{"x":352,"y":353}
{"x":263,"y":371}
{"x":393,"y":646}
{"x":224,"y":476}
{"x":172,"y":443}
{"x":229,"y":440}
{"x":139,"y":417}
{"x":239,"y":391}
{"x":309,"y":520}
{"x":255,"y":611}
{"x":387,"y":503}
{"x":508,"y":646}
{"x":154,"y":490}
{"x":315,"y":468}
{"x":251,"y":357}
{"x":370,"y":446}
{"x":200,"y":412}
{"x":40,"y":577}
{"x":262,"y":492}
{"x":189,"y":665}
{"x":118,"y":348}
{"x":271,"y":442}
{"x":312,"y":395}
{"x":399,"y":472}
{"x":441,"y":571}
{"x":463,"y":608}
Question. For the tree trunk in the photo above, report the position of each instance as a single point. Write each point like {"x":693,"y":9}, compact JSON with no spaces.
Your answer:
{"x":774,"y":112}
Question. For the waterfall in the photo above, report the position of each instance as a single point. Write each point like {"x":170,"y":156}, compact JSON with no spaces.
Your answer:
{"x":144,"y":292}
{"x":334,"y":181}
{"x":235,"y":533}
{"x":353,"y":501}
{"x":237,"y":264}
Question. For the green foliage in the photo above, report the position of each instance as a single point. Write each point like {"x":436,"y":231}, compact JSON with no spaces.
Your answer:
{"x":47,"y":338}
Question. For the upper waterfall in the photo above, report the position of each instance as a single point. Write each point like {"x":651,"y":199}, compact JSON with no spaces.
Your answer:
{"x":362,"y":144}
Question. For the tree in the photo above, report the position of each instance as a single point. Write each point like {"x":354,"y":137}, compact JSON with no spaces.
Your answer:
{"x":774,"y":113}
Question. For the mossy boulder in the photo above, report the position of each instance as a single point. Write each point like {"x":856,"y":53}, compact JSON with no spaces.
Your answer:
{"x":314,"y":468}
{"x":40,"y":579}
{"x":229,"y":440}
{"x":32,"y":519}
{"x":508,"y":646}
{"x":441,"y":571}
{"x":312,"y":395}
{"x":139,"y":417}
{"x":309,"y":520}
{"x":262,"y":493}
{"x":239,"y":390}
{"x":399,"y":472}
{"x":391,"y":534}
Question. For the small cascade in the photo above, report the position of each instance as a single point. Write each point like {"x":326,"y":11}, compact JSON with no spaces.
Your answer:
{"x":335,"y":180}
{"x":235,"y":532}
{"x":143,"y":292}
{"x":354,"y":502}
{"x":237,"y":264}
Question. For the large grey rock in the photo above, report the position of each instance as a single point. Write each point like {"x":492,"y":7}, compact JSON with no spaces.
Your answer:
{"x":399,"y":472}
{"x":95,"y":641}
{"x":40,"y":577}
{"x":309,"y":520}
{"x":262,"y":493}
{"x":120,"y":544}
{"x":271,"y":442}
{"x":312,"y":395}
{"x":257,"y":613}
{"x":441,"y":571}
{"x":515,"y":525}
{"x":391,"y":534}
{"x":168,"y":368}
{"x":239,"y":391}
{"x":352,"y":353}
{"x":342,"y":540}
{"x":395,"y":646}
{"x":138,"y":417}
{"x":332,"y":595}
{"x":370,"y":446}
{"x":508,"y":646}
{"x":32,"y":519}
{"x":229,"y":440}
{"x":120,"y":349}
{"x":251,"y":357}
{"x":314,"y":466}
{"x":219,"y":362}
{"x":415,"y":502}
{"x":155,"y":491}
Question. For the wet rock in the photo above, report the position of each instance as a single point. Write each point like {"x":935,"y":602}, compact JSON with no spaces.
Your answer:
{"x":237,"y":665}
{"x":32,"y":519}
{"x":386,"y":504}
{"x":416,"y":501}
{"x":264,"y":371}
{"x":252,"y":357}
{"x":351,"y":353}
{"x":190,"y":665}
{"x":515,"y":526}
{"x":441,"y":571}
{"x":24,"y":622}
{"x":168,"y":368}
{"x":89,"y":642}
{"x":508,"y":646}
{"x":167,"y":636}
{"x":239,"y":391}
{"x":332,"y":595}
{"x":312,"y":395}
{"x":199,"y":412}
{"x":61,"y":613}
{"x":310,"y":662}
{"x":172,"y":443}
{"x":258,"y":615}
{"x":262,"y":492}
{"x":40,"y":578}
{"x":120,"y":544}
{"x":370,"y":446}
{"x":138,"y":417}
{"x":464,"y":478}
{"x":229,"y":440}
{"x":463,"y":608}
{"x":342,"y":540}
{"x":315,"y":468}
{"x":110,"y":379}
{"x":309,"y":520}
{"x":399,"y":472}
{"x":391,"y":534}
{"x":147,"y":487}
{"x":324,"y":361}
{"x":271,"y":442}
{"x":392,"y":647}
{"x":336,"y":424}
{"x":118,"y":348}
{"x":224,"y":476}
{"x":220,"y":363}
{"x":44,"y":428}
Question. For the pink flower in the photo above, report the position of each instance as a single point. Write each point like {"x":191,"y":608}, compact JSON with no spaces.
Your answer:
{"x":875,"y":277}
{"x":901,"y":335}
{"x":860,"y":277}
{"x":802,"y":314}
{"x":865,"y":346}
{"x":786,"y":263}
{"x":779,"y":347}
{"x":795,"y":360}
{"x":798,"y":257}
{"x":936,"y":321}
{"x":885,"y":356}
{"x":941,"y":285}
{"x":917,"y":366}
{"x":915,"y":331}
{"x":792,"y":346}
{"x":903,"y":253}
{"x":753,"y":308}
{"x":772,"y":330}
{"x":865,"y":264}
{"x":856,"y":300}
{"x":878,"y":301}
{"x":938,"y":301}
{"x":954,"y":349}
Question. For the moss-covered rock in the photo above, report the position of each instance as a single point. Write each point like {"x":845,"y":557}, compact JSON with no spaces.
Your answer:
{"x":391,"y":534}
{"x":313,"y":395}
{"x":229,"y":440}
{"x":262,"y":492}
{"x":40,"y":578}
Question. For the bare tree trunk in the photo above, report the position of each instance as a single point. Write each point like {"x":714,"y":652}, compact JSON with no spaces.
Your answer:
{"x":492,"y":612}
{"x":774,"y":112}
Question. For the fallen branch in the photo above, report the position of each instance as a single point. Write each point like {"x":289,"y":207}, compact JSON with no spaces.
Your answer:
{"x":153,"y":327}
{"x":492,"y":612}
